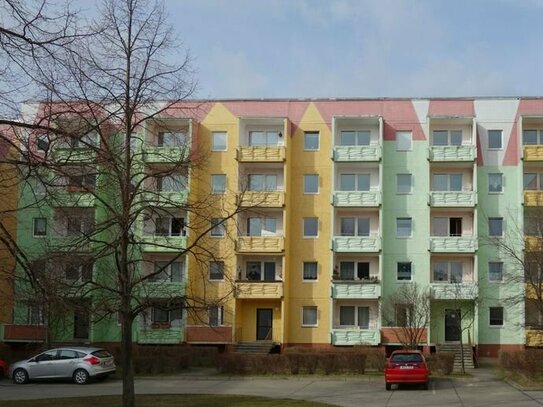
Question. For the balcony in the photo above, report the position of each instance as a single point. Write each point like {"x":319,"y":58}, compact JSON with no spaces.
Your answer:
{"x":355,"y":336}
{"x":165,"y":198}
{"x":209,"y":334}
{"x":23,"y":333}
{"x":451,"y":291}
{"x":163,"y":244}
{"x":73,"y":155}
{"x":63,"y":199}
{"x":162,"y":289}
{"x":533,"y":198}
{"x":260,"y":244}
{"x":453,"y":244}
{"x":258,"y":290}
{"x":165,"y":155}
{"x":161,"y":335}
{"x":452,"y":153}
{"x":357,"y":198}
{"x":356,"y":290}
{"x":263,"y":199}
{"x":356,"y":153}
{"x":450,"y":199}
{"x":252,"y":154}
{"x":534,"y":337}
{"x":533,"y":153}
{"x":356,"y":244}
{"x":533,"y":243}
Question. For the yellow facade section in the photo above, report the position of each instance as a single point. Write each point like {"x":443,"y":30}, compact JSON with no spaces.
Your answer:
{"x":533,"y":153}
{"x":299,"y":294}
{"x":533,"y":198}
{"x":246,"y":320}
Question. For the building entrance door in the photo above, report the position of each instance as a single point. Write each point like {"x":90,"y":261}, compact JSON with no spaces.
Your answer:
{"x":264,"y":322}
{"x":452,"y":325}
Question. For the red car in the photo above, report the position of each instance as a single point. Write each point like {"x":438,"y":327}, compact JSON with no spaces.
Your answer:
{"x":407,"y":366}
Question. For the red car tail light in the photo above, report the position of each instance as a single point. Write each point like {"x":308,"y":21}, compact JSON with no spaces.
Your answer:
{"x":93,"y":360}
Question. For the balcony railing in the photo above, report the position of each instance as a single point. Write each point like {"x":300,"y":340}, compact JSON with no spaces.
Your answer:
{"x":533,"y":198}
{"x":453,"y":244}
{"x":23,"y":333}
{"x":454,"y":291}
{"x":63,"y":199}
{"x":452,"y":153}
{"x":261,"y":154}
{"x":357,"y":198}
{"x":450,"y":199}
{"x":260,"y":244}
{"x":534,"y":337}
{"x":265,"y":199}
{"x":533,"y":153}
{"x":160,"y":335}
{"x":162,"y":289}
{"x":152,"y":243}
{"x":356,"y":290}
{"x":165,"y":155}
{"x":356,"y":244}
{"x":69,"y":155}
{"x":356,"y":153}
{"x":259,"y":289}
{"x":354,"y":336}
{"x":165,"y":198}
{"x":209,"y":334}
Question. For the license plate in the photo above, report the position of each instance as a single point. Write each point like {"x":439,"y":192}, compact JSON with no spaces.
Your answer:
{"x":406,"y":367}
{"x":107,"y":364}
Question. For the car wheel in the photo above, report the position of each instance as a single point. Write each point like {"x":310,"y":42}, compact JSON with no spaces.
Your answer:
{"x":388,"y":386}
{"x":81,"y":376}
{"x":20,"y":376}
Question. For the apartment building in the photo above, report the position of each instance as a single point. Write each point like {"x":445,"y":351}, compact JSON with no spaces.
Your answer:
{"x":339,"y":204}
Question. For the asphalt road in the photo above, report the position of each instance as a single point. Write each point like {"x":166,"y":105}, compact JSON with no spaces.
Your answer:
{"x":480,"y":391}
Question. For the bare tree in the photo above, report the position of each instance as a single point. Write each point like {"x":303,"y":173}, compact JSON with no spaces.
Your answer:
{"x":408,"y":310}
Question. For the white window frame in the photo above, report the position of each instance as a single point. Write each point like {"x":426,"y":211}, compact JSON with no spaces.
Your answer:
{"x":356,"y":322}
{"x":217,"y":177}
{"x":220,"y":315}
{"x":502,"y":271}
{"x":494,"y":326}
{"x":501,"y":182}
{"x":305,"y":184}
{"x":303,"y":228}
{"x":449,"y":137}
{"x":410,"y":271}
{"x":263,"y":187}
{"x":218,"y":225}
{"x":494,"y":131}
{"x":410,"y":176}
{"x":399,"y":141}
{"x":398,"y":236}
{"x":356,"y":134}
{"x":313,"y":308}
{"x":312,"y":280}
{"x":219,"y":134}
{"x":502,"y":226}
{"x":220,"y":265}
{"x":355,"y":269}
{"x":312,"y":133}
{"x":167,"y":271}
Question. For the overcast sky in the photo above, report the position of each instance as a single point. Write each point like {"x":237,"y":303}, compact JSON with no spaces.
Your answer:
{"x":363,"y":48}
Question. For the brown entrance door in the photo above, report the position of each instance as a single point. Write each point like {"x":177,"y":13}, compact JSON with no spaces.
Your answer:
{"x":264,"y":324}
{"x":452,"y":325}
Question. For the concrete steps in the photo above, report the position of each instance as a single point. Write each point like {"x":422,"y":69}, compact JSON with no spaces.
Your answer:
{"x":456,"y":349}
{"x":257,"y":347}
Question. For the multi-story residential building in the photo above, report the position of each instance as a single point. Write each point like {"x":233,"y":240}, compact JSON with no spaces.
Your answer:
{"x":338,"y":204}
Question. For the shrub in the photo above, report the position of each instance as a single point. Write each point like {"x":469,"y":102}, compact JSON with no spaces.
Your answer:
{"x":527,"y":362}
{"x":231,"y":363}
{"x":441,"y":362}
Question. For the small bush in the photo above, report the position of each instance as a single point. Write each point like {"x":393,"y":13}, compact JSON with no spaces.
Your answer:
{"x":441,"y":362}
{"x":528,"y":362}
{"x":231,"y":363}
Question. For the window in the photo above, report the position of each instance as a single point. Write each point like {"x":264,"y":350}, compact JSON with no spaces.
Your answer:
{"x":169,"y":226}
{"x":78,"y":271}
{"x":354,"y":226}
{"x":532,"y":137}
{"x":260,"y":270}
{"x":311,"y":184}
{"x":347,"y":270}
{"x":215,"y":315}
{"x":40,"y":227}
{"x":354,"y":182}
{"x":310,"y":271}
{"x":495,"y":227}
{"x":264,"y":138}
{"x":403,"y":140}
{"x":218,"y":184}
{"x":495,"y":316}
{"x":79,"y":225}
{"x":495,"y":139}
{"x":167,"y":314}
{"x":447,"y":137}
{"x":35,"y":315}
{"x":355,"y":138}
{"x":403,"y":227}
{"x":42,"y":142}
{"x":311,"y":227}
{"x":171,"y":183}
{"x":218,"y":228}
{"x":495,"y":271}
{"x":442,"y":226}
{"x":262,"y":182}
{"x":170,"y":139}
{"x":354,"y":316}
{"x":309,"y":316}
{"x":403,"y":314}
{"x":448,"y":272}
{"x":81,"y":182}
{"x":261,"y":226}
{"x":403,"y":183}
{"x":218,"y":141}
{"x":447,"y":182}
{"x":216,"y":270}
{"x":167,"y":272}
{"x":403,"y":271}
{"x":495,"y":182}
{"x":311,"y":140}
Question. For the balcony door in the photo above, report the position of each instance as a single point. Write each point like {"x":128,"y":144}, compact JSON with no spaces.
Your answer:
{"x":82,"y":320}
{"x":452,"y":325}
{"x":264,"y":324}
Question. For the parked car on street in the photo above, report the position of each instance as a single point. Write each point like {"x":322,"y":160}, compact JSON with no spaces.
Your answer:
{"x":406,"y":366}
{"x":78,"y":363}
{"x":3,"y":368}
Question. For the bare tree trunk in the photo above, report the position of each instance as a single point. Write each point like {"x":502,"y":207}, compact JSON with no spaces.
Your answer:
{"x":126,"y":360}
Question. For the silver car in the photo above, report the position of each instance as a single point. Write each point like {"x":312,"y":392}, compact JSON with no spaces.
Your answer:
{"x":78,"y":363}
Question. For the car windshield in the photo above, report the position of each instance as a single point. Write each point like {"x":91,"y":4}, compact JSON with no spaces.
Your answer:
{"x":406,"y":358}
{"x":102,"y":353}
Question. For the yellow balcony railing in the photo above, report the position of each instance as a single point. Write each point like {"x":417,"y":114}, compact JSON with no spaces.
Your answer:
{"x":533,"y":198}
{"x":533,"y":153}
{"x":267,"y":199}
{"x":260,"y":244}
{"x":261,"y":154}
{"x":259,"y":289}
